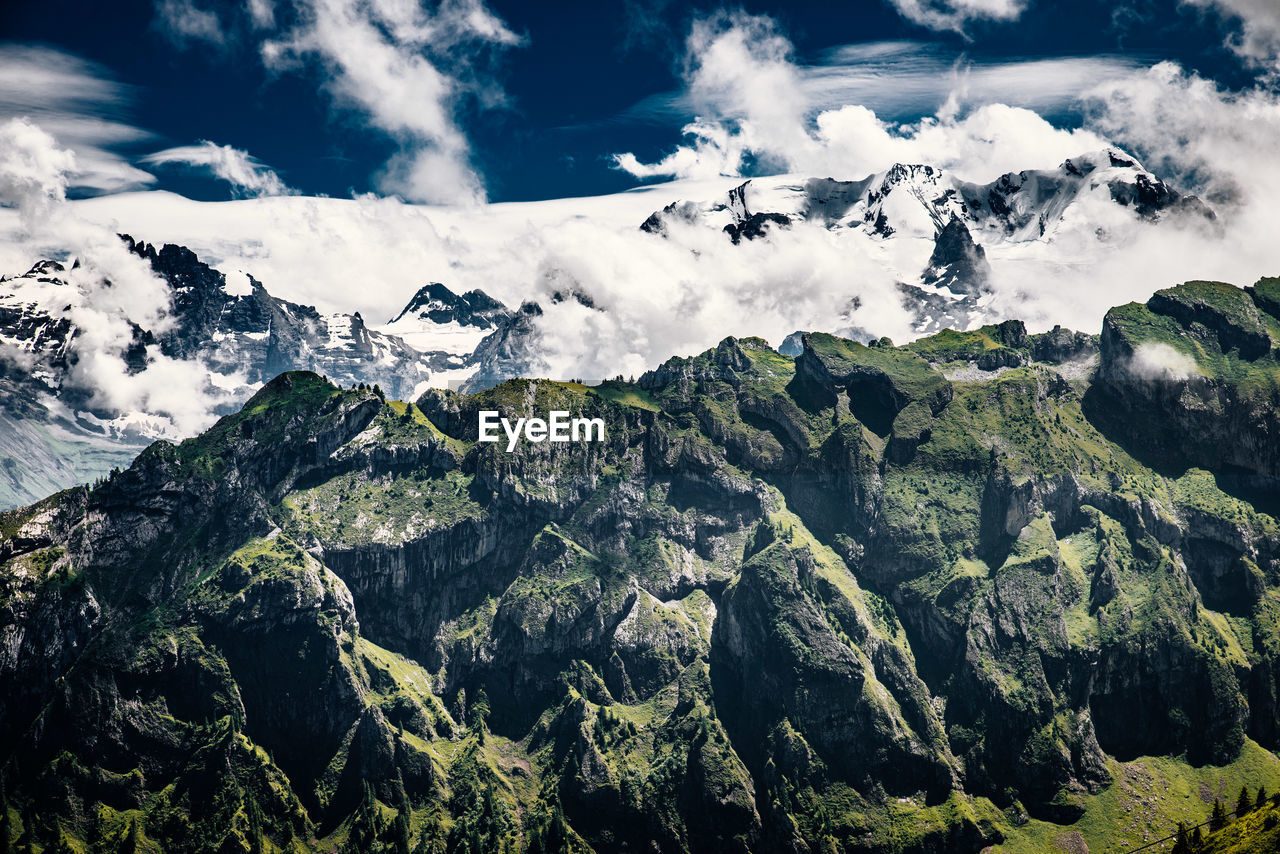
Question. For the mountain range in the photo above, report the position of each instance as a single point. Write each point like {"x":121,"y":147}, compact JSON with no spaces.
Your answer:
{"x":227,"y":331}
{"x":989,"y":590}
{"x":936,"y":228}
{"x":224,"y":334}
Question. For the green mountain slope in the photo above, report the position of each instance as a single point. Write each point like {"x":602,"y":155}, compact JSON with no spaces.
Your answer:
{"x":962,"y":594}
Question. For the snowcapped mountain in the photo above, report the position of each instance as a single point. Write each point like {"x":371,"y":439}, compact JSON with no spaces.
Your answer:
{"x":913,"y":200}
{"x":244,"y":336}
{"x":936,"y":231}
{"x":224,"y":336}
{"x":449,"y":326}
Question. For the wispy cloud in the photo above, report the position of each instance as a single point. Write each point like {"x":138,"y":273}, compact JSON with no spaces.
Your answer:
{"x":247,"y":175}
{"x":83,"y":106}
{"x":1255,"y":29}
{"x":406,"y":67}
{"x":184,"y":22}
{"x":957,"y":15}
{"x":907,"y":79}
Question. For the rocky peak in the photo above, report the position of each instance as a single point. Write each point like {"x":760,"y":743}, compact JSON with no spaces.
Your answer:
{"x":44,"y":269}
{"x":437,"y":304}
{"x":510,"y":350}
{"x":957,"y":263}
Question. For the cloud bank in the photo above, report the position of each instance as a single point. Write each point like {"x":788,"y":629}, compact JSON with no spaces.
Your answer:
{"x":755,"y":118}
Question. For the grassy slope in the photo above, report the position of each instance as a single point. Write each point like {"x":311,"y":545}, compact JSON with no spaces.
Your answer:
{"x":1149,"y":797}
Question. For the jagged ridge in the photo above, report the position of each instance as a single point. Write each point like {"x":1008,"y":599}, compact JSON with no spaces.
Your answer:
{"x":865,"y":596}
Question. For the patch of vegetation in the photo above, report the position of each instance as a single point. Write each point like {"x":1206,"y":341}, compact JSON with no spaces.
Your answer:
{"x":354,"y":508}
{"x":627,"y":394}
{"x":1149,"y":795}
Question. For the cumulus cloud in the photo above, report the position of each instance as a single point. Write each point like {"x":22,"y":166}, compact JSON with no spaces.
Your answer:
{"x":247,"y":175}
{"x":754,"y":113}
{"x":956,"y":15}
{"x":83,"y":105}
{"x":1256,"y":28}
{"x":33,"y":170}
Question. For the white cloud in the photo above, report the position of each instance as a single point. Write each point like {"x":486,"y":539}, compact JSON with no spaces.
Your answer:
{"x":262,"y":13}
{"x":405,"y":68}
{"x":82,"y":105}
{"x":33,"y":170}
{"x":1258,"y":37}
{"x":754,"y":112}
{"x":183,"y":21}
{"x":245,"y":173}
{"x":955,"y":15}
{"x":111,"y":289}
{"x":1161,"y":361}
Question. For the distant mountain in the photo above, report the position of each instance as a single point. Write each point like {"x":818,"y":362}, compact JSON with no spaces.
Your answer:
{"x":952,"y":223}
{"x":943,"y":240}
{"x":226,"y":331}
{"x":437,"y":320}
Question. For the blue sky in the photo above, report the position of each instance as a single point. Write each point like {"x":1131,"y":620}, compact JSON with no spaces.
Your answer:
{"x":537,"y":97}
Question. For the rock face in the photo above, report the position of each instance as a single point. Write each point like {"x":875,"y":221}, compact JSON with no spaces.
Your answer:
{"x":1195,"y":367}
{"x":865,"y":597}
{"x":957,"y":263}
{"x":510,"y":350}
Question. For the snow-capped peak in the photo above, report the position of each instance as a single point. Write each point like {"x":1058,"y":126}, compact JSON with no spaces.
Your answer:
{"x":436,"y":320}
